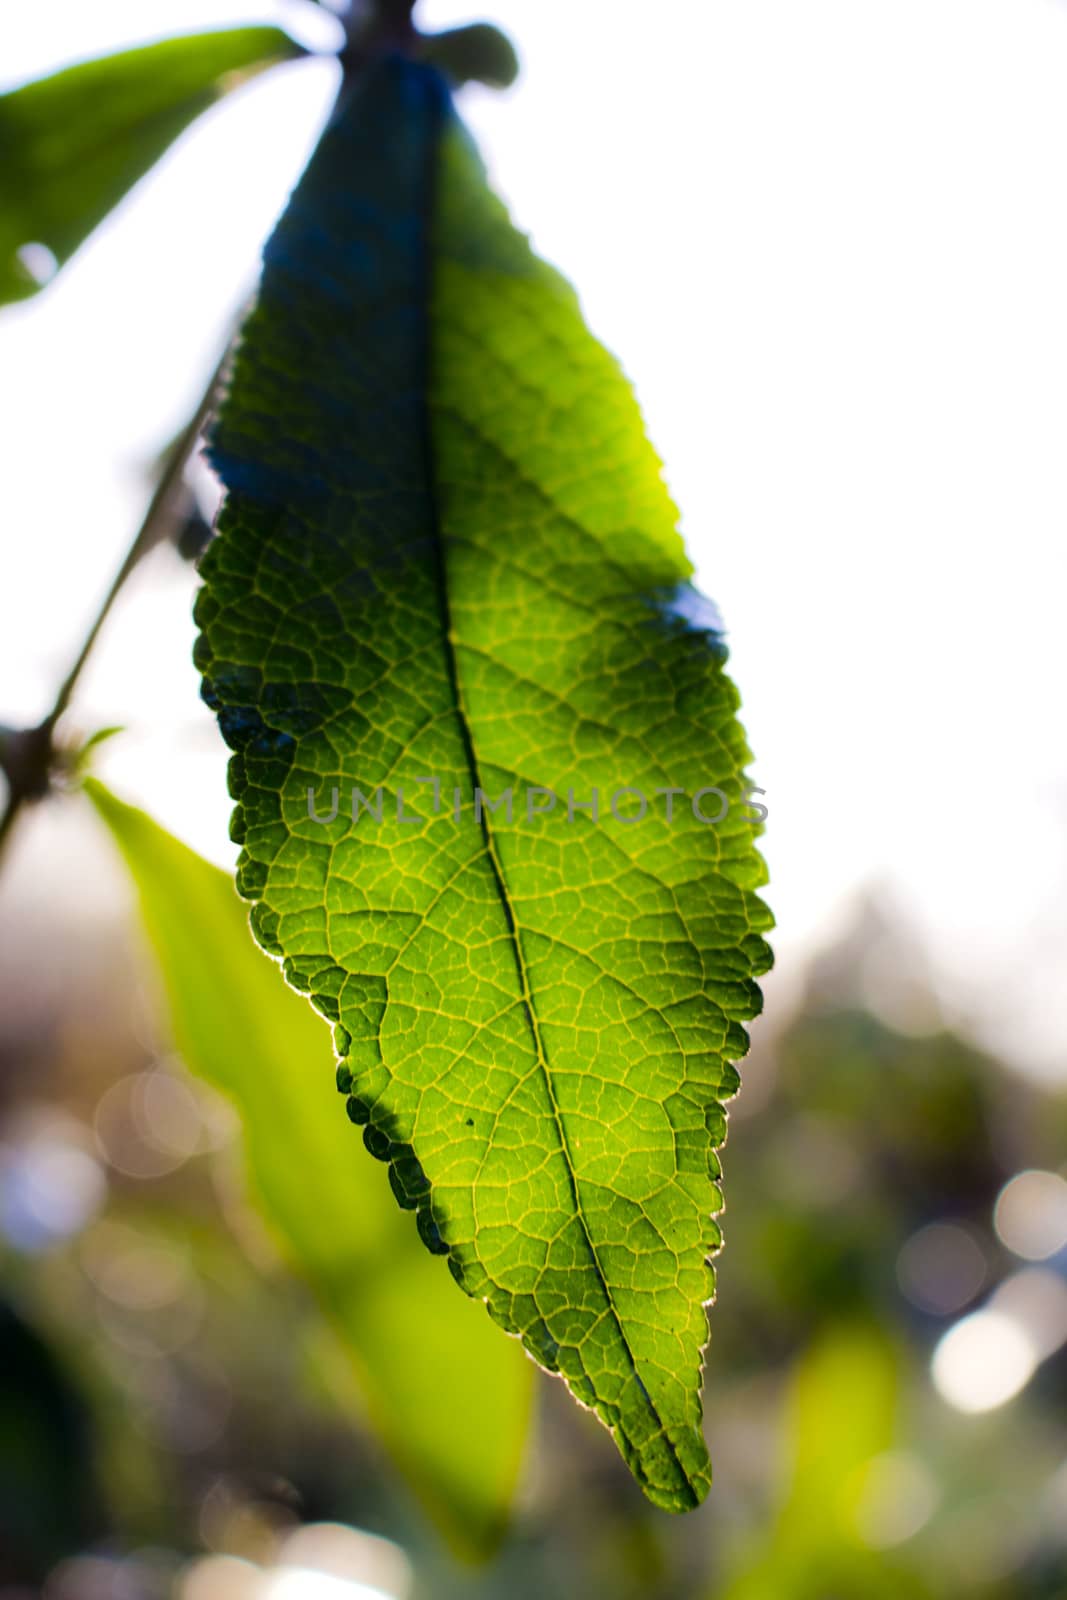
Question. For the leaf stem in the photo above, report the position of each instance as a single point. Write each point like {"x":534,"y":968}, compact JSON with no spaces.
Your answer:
{"x":385,"y":24}
{"x":29,"y":754}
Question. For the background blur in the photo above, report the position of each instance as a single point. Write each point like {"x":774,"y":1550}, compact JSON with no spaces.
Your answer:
{"x":828,"y":241}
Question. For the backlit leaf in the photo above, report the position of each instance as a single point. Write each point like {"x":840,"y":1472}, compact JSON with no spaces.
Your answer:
{"x":447,"y":564}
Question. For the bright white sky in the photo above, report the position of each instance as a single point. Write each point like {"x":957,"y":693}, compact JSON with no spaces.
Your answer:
{"x":829,"y":242}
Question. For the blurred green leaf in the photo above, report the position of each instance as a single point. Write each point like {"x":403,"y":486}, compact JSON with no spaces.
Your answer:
{"x":841,"y":1416}
{"x":477,"y":53}
{"x":80,"y":758}
{"x":450,"y":1396}
{"x":73,"y":144}
{"x":447,"y":549}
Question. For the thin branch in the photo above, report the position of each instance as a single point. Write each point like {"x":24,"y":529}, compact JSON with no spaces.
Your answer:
{"x":382,"y":24}
{"x":27,"y":776}
{"x":7,"y":819}
{"x":155,"y":527}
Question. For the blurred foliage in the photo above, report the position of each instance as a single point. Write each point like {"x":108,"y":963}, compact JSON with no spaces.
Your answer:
{"x":840,"y":1418}
{"x":47,"y":1486}
{"x":428,"y":1359}
{"x":191,"y":1404}
{"x":72,"y":145}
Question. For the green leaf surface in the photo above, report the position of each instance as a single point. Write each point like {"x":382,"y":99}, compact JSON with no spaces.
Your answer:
{"x":72,"y":145}
{"x":450,"y":1397}
{"x":447,"y":553}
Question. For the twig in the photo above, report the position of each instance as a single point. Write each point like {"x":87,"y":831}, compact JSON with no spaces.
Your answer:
{"x":29,"y":754}
{"x":385,"y":24}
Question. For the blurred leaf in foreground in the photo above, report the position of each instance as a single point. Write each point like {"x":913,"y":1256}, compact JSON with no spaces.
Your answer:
{"x":72,"y":145}
{"x":450,"y":1396}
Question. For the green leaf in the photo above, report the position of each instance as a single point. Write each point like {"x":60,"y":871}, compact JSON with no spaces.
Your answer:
{"x":72,"y":145}
{"x":477,"y":53}
{"x":447,"y":553}
{"x":425,"y":1356}
{"x":841,"y":1420}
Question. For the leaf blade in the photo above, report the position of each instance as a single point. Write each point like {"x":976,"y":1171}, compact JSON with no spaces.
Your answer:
{"x":242,"y":1029}
{"x":73,"y":144}
{"x":364,"y":624}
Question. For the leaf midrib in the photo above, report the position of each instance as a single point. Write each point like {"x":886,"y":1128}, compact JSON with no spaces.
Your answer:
{"x":471,"y":759}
